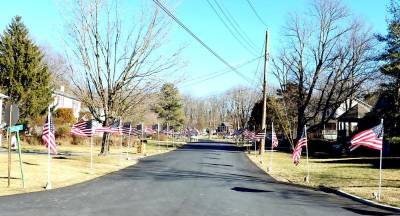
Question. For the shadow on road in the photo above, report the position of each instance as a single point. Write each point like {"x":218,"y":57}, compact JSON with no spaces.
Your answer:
{"x":226,"y":147}
{"x":249,"y":190}
{"x":367,"y":212}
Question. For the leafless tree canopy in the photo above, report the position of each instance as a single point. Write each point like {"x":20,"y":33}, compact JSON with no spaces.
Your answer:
{"x":115,"y":61}
{"x":327,"y":55}
{"x":234,"y":107}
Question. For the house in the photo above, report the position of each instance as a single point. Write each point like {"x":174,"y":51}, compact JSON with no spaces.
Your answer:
{"x":224,"y":127}
{"x":65,"y":100}
{"x":346,"y":120}
{"x":2,"y":97}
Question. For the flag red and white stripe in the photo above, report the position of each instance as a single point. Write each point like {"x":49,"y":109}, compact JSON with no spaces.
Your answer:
{"x":274,"y":138}
{"x":84,"y":128}
{"x":261,"y":134}
{"x":48,"y":135}
{"x":371,"y":138}
{"x":299,"y":146}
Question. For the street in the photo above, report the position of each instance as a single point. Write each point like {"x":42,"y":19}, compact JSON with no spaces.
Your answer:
{"x":198,"y":179}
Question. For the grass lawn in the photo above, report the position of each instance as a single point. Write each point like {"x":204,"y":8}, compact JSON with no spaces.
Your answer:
{"x":68,"y":170}
{"x":358,"y":176}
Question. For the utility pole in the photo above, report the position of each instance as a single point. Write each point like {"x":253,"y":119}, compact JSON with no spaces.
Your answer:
{"x":265,"y":89}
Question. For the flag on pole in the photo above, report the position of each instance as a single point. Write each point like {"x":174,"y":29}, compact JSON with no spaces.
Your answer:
{"x":84,"y":128}
{"x":261,"y":134}
{"x":274,"y":138}
{"x":48,"y":136}
{"x":116,"y":127}
{"x":297,"y":150}
{"x":371,"y":138}
{"x":148,"y":130}
{"x":103,"y":129}
{"x":127,"y":128}
{"x":135,"y":132}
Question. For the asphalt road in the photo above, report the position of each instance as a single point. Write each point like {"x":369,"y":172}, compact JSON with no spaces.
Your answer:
{"x":200,"y":179}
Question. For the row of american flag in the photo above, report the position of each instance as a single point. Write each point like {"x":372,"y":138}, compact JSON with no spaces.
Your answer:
{"x":89,"y":128}
{"x":370,"y":138}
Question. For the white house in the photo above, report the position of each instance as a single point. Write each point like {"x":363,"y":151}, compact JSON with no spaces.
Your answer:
{"x":65,"y":100}
{"x":2,"y":97}
{"x":345,"y":119}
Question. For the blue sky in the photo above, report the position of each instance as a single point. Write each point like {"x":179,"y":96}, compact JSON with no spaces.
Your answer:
{"x":45,"y":22}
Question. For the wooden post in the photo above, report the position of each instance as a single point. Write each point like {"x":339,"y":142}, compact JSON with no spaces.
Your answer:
{"x":265,"y":92}
{"x":9,"y":148}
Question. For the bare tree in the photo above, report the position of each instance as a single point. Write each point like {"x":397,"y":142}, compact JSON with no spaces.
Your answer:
{"x":240,"y":102}
{"x":58,"y":67}
{"x":115,"y":61}
{"x":326,"y":55}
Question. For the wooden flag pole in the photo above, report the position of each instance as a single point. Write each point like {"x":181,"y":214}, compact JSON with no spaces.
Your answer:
{"x":308,"y":165}
{"x":9,"y":147}
{"x":48,"y":186}
{"x":380,"y":167}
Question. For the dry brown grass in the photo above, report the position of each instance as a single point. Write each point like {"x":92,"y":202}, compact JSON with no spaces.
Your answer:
{"x":67,"y":170}
{"x":360,"y":179}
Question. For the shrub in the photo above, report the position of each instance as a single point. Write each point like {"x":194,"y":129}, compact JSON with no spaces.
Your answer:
{"x":32,"y":140}
{"x":64,"y":116}
{"x":77,"y":140}
{"x":86,"y":114}
{"x":62,"y":131}
{"x":395,"y":140}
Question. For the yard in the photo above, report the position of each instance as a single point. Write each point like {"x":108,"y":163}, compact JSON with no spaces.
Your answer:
{"x":358,"y":176}
{"x":71,"y":166}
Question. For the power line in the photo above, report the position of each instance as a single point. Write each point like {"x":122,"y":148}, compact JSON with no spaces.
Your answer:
{"x":216,"y":74}
{"x":158,"y":3}
{"x":255,"y":12}
{"x":229,"y":29}
{"x":235,"y":26}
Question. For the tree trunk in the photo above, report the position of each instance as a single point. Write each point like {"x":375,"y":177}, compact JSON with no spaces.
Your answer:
{"x":105,"y":145}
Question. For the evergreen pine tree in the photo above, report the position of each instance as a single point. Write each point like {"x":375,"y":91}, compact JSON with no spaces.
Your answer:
{"x":170,"y":107}
{"x":391,"y":68}
{"x":23,"y":75}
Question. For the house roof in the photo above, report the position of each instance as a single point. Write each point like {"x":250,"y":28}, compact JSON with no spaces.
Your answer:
{"x":57,"y":92}
{"x":355,"y":113}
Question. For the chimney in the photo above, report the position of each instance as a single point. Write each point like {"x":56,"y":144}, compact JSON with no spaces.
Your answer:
{"x":62,"y":88}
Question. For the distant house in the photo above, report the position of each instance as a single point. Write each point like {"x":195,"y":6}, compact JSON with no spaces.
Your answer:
{"x":224,"y":127}
{"x":65,"y":100}
{"x":2,"y":97}
{"x":345,"y":122}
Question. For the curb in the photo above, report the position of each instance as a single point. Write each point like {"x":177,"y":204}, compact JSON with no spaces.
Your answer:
{"x":337,"y":192}
{"x":359,"y":199}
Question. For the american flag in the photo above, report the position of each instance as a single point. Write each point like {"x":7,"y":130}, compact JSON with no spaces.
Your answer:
{"x":261,"y":134}
{"x":48,"y":136}
{"x":127,"y":128}
{"x":148,"y":130}
{"x":371,"y":138}
{"x":297,"y":150}
{"x":116,"y":127}
{"x":84,"y":128}
{"x":103,"y":129}
{"x":249,"y":135}
{"x":274,"y":138}
{"x":135,"y":132}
